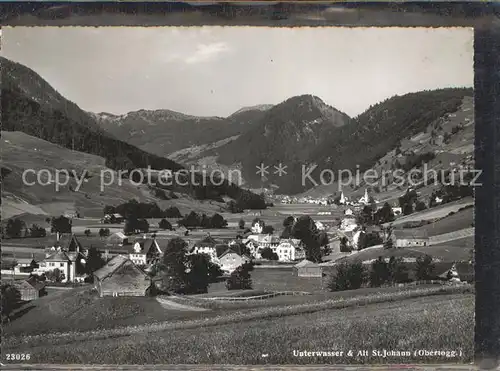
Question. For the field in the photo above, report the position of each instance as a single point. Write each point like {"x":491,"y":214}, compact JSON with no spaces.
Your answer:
{"x":80,"y":308}
{"x":459,"y":220}
{"x":21,"y":151}
{"x":444,"y":322}
{"x":276,"y":279}
{"x":437,"y":212}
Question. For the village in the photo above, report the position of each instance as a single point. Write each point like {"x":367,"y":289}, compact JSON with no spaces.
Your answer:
{"x":66,"y":258}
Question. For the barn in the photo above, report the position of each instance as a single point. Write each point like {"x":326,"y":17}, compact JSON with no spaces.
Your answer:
{"x":121,"y":277}
{"x":117,"y":239}
{"x":307,"y":268}
{"x":29,"y":289}
{"x":410,"y":237}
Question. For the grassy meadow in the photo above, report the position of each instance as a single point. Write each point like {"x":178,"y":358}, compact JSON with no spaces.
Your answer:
{"x":444,"y":322}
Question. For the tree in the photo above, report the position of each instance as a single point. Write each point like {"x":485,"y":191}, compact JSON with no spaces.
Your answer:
{"x":190,"y":220}
{"x":173,"y":266}
{"x":233,"y":207}
{"x":55,"y":275}
{"x":268,"y":229}
{"x":217,"y":221}
{"x":104,"y":232}
{"x":87,"y":232}
{"x":379,"y":273}
{"x":173,"y":212}
{"x":305,"y":230}
{"x":384,"y":215}
{"x":424,"y":268}
{"x":109,"y":210}
{"x":349,"y":276}
{"x":323,"y":239}
{"x":240,"y":278}
{"x":143,"y":225}
{"x":397,"y":270}
{"x":94,"y":261}
{"x":268,"y":254}
{"x":366,"y":216}
{"x":241,"y":224}
{"x":214,"y":272}
{"x":388,"y":242}
{"x":289,"y":221}
{"x":420,"y":206}
{"x":61,"y":224}
{"x":343,"y":245}
{"x":165,"y":224}
{"x":11,"y":299}
{"x":37,"y":231}
{"x":198,"y":274}
{"x":15,"y":228}
{"x":371,"y":239}
{"x":407,"y":200}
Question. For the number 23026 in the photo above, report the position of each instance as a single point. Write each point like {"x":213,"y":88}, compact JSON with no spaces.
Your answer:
{"x":17,"y":356}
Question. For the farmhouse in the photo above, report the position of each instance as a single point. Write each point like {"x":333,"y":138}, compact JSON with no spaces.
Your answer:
{"x":121,"y":277}
{"x":307,"y":268}
{"x":145,"y":252}
{"x":117,"y":239}
{"x":231,"y":259}
{"x":348,"y":224}
{"x":68,"y":256}
{"x":410,"y":237}
{"x":397,"y":210}
{"x":29,"y":289}
{"x":290,"y":250}
{"x":113,"y":218}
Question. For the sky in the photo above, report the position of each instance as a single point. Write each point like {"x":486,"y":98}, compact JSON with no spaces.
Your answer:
{"x":215,"y":71}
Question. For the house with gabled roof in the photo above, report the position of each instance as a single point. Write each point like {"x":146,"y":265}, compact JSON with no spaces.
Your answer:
{"x":68,"y":256}
{"x":145,"y":252}
{"x":231,"y":258}
{"x":307,"y":268}
{"x":121,"y":277}
{"x":29,"y":289}
{"x":117,"y":239}
{"x":206,"y":245}
{"x":290,"y":249}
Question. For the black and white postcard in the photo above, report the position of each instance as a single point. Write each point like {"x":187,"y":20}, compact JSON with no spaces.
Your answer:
{"x":238,"y":195}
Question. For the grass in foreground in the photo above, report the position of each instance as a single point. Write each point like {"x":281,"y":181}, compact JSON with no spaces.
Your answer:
{"x":435,"y":323}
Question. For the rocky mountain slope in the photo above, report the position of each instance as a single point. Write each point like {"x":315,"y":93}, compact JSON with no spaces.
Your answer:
{"x":163,"y":132}
{"x":299,"y":133}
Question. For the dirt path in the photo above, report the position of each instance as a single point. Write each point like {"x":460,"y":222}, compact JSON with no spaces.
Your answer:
{"x":169,"y":304}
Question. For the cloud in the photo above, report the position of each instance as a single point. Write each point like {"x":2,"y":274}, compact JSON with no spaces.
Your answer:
{"x":206,"y":52}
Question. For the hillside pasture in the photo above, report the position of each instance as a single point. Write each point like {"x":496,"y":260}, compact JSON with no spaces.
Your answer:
{"x":437,"y":322}
{"x":82,"y":309}
{"x":434,"y":213}
{"x":457,"y":221}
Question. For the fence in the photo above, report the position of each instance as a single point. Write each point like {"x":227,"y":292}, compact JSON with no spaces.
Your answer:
{"x":258,"y":297}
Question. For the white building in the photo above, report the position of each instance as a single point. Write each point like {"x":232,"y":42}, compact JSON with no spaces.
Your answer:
{"x":66,"y":255}
{"x":348,"y":224}
{"x":257,"y":227}
{"x":145,"y":252}
{"x":290,"y":250}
